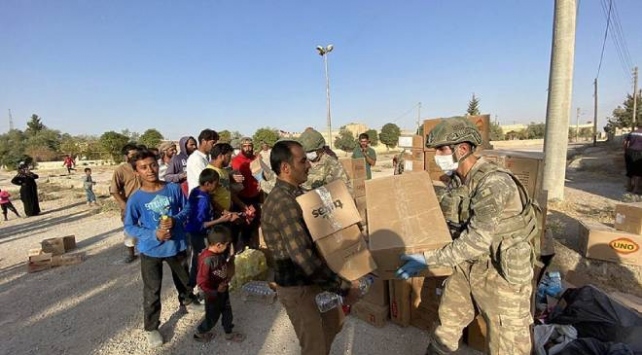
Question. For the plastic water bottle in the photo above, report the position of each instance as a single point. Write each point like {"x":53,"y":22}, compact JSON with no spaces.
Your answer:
{"x":551,"y":285}
{"x":258,"y":291}
{"x":327,"y":301}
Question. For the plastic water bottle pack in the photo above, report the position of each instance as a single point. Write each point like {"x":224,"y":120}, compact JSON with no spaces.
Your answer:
{"x":551,"y":285}
{"x":327,"y":301}
{"x":259,"y":291}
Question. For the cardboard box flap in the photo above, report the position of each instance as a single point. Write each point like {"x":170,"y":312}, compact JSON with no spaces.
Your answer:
{"x":328,"y":209}
{"x":346,"y":253}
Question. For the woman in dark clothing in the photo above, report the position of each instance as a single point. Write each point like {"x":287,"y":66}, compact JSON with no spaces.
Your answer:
{"x":28,"y":190}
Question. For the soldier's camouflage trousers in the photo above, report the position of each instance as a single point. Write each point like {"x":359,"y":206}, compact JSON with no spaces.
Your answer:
{"x":504,"y":306}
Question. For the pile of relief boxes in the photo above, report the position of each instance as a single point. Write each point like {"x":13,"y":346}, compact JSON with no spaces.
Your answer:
{"x":53,"y":253}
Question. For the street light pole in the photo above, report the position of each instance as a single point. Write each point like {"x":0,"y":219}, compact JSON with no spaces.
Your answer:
{"x":323,"y":51}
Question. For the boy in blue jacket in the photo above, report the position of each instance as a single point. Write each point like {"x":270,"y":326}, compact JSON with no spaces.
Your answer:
{"x":155,"y":215}
{"x":201,"y":217}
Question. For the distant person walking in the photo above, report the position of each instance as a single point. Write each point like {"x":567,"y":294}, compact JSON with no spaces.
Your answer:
{"x":633,"y":159}
{"x":6,"y":204}
{"x":69,"y":163}
{"x":28,"y":189}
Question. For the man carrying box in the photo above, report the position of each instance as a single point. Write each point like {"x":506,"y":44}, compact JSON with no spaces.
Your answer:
{"x":300,"y":273}
{"x":494,"y":221}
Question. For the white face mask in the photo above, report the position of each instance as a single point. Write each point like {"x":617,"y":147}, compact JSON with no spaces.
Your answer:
{"x":237,"y":151}
{"x":312,"y":156}
{"x":447,"y":163}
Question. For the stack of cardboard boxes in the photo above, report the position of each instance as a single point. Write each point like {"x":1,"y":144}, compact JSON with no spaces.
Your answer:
{"x":356,"y":170}
{"x":620,"y":244}
{"x":52,"y":253}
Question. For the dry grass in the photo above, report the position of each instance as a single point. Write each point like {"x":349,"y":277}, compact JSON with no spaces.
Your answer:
{"x":109,"y":205}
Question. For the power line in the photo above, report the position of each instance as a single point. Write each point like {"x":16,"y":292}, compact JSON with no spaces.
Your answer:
{"x":617,"y":36}
{"x":606,"y":32}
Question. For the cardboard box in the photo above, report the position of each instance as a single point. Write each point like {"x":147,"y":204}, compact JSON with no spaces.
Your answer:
{"x":400,"y":291}
{"x":328,"y":209}
{"x":378,"y":294}
{"x":355,"y":168}
{"x":404,"y":217}
{"x":528,"y":167}
{"x":413,"y":165}
{"x":67,"y":259}
{"x":359,"y":187}
{"x":425,"y":299}
{"x":361,"y":207}
{"x":55,"y":246}
{"x":414,"y":141}
{"x":39,"y":262}
{"x":628,"y":300}
{"x":346,"y":253}
{"x":628,"y":217}
{"x":371,"y":313}
{"x":477,"y":333}
{"x":598,"y":241}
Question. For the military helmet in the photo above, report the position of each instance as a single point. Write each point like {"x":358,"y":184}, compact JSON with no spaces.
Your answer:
{"x":311,"y":140}
{"x":451,"y":131}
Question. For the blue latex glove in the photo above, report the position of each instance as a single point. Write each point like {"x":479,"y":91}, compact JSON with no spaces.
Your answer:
{"x":414,"y":264}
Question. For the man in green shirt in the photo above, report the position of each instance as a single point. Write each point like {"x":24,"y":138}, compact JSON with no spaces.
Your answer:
{"x":365,"y":151}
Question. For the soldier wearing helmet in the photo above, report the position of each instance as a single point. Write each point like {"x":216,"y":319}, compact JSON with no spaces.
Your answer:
{"x":492,"y":220}
{"x":324,"y":168}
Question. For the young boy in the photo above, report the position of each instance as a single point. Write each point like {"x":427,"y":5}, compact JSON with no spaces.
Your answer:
{"x":215,"y":269}
{"x":88,"y":184}
{"x":6,"y":204}
{"x":155,"y":215}
{"x":201,"y":217}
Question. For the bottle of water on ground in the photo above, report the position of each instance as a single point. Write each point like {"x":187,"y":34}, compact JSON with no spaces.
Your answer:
{"x":327,"y":301}
{"x":259,"y":291}
{"x":551,"y":285}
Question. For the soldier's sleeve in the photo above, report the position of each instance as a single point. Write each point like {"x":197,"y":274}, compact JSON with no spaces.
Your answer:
{"x":487,"y":207}
{"x":339,"y":173}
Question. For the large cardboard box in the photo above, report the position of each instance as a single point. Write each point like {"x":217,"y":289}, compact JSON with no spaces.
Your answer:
{"x":425,"y":298}
{"x":328,"y":209}
{"x":346,"y":253}
{"x":378,"y":293}
{"x":404,"y":217}
{"x":528,"y":167}
{"x":359,"y":187}
{"x":361,"y":207}
{"x":400,"y":292}
{"x":598,"y":241}
{"x":413,"y":165}
{"x":371,"y":313}
{"x":476,"y":335}
{"x":628,"y":217}
{"x":355,"y":168}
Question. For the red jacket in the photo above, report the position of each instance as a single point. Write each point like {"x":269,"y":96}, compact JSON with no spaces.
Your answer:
{"x":250,"y":185}
{"x":212,"y":271}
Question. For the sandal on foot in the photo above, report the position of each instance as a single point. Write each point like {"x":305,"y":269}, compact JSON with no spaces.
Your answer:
{"x":235,"y":337}
{"x":204,"y":337}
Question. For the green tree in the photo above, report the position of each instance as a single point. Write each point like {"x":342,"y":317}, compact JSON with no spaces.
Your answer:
{"x":12,"y":148}
{"x":224,"y":136}
{"x":389,"y":135}
{"x":34,"y":126}
{"x":374,"y":137}
{"x":496,"y":132}
{"x":131,"y":136}
{"x":267,"y":135}
{"x":586,"y":132}
{"x":535,"y":131}
{"x":473,"y":106}
{"x":345,"y":140}
{"x":623,"y":116}
{"x":112,"y":143}
{"x":70,"y":145}
{"x":151,"y":138}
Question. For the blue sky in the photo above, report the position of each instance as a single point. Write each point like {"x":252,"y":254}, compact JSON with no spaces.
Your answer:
{"x":87,"y":67}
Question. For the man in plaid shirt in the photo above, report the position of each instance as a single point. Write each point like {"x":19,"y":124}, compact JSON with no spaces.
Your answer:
{"x":300,"y":272}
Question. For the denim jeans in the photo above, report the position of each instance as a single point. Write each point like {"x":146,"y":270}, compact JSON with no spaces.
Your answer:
{"x":152,"y":272}
{"x":91,"y":197}
{"x":197,"y":243}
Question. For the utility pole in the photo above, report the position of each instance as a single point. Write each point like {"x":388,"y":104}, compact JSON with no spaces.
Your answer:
{"x":577,"y":126}
{"x":10,"y":121}
{"x":595,"y":113}
{"x":560,"y":90}
{"x":635,"y":96}
{"x":419,"y":115}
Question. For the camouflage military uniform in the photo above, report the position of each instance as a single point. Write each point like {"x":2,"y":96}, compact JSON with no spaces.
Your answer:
{"x":324,"y":171}
{"x":491,"y":247}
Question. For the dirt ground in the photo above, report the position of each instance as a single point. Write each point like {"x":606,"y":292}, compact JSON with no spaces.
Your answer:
{"x":95,"y":306}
